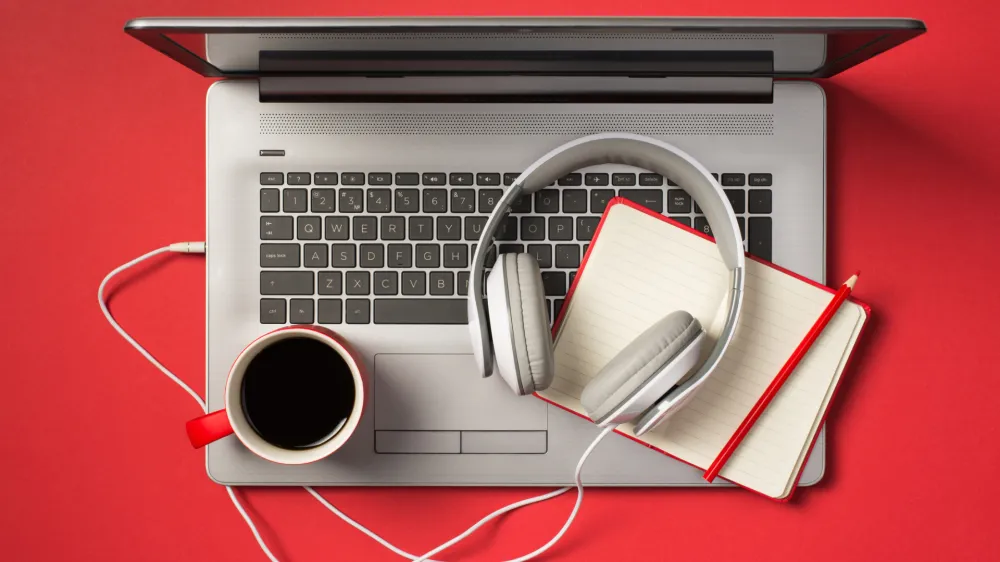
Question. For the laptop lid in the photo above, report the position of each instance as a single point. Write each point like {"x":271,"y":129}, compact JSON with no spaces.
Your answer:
{"x":521,"y":47}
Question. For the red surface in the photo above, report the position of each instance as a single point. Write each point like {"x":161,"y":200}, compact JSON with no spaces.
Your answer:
{"x":104,"y":160}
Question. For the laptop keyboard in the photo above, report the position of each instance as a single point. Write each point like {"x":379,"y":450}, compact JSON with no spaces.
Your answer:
{"x":395,"y":248}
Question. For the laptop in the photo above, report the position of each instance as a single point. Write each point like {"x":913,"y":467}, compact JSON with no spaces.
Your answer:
{"x":351,"y":165}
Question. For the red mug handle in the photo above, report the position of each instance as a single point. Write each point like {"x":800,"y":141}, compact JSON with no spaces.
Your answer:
{"x":208,"y":428}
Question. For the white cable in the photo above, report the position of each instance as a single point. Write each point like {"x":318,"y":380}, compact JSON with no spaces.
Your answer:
{"x":199,"y":248}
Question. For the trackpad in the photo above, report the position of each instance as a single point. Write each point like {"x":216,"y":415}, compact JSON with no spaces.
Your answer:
{"x":443,"y":392}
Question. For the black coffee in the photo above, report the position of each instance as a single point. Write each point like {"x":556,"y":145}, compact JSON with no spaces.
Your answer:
{"x":297,"y":393}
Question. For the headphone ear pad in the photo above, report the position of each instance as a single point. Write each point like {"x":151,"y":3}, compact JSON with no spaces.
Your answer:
{"x":636,"y":364}
{"x":531,"y":336}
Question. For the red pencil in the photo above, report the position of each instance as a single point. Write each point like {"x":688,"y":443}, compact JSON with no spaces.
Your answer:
{"x":782,"y":376}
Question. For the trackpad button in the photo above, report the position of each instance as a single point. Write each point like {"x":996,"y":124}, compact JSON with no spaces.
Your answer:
{"x":443,"y":393}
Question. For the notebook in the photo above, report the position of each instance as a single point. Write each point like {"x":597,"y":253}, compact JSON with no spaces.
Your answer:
{"x":640,"y":267}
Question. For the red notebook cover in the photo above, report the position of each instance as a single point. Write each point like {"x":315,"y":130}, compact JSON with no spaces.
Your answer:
{"x":569,"y":295}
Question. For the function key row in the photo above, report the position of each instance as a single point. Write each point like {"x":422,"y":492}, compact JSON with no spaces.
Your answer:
{"x":592,"y":179}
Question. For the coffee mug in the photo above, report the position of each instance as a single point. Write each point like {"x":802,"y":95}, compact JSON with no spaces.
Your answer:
{"x":293,"y":396}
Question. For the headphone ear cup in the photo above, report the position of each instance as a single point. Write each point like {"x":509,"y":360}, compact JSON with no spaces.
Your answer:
{"x":636,"y":364}
{"x":519,"y":326}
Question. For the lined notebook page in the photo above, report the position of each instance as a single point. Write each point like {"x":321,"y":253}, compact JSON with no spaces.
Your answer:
{"x":642,"y":268}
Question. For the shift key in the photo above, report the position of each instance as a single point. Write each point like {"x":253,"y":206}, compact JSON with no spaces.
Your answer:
{"x":279,"y":255}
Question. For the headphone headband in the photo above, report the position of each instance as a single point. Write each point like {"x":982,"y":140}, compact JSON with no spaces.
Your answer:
{"x":633,"y":150}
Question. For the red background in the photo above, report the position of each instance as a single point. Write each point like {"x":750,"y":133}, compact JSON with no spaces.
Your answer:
{"x":103,"y":159}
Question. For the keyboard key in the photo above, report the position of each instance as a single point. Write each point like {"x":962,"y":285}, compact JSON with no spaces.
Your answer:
{"x":344,"y":255}
{"x":533,"y":228}
{"x":299,"y":178}
{"x":509,"y":177}
{"x":491,"y":255}
{"x":357,"y":311}
{"x":743,"y":227}
{"x":329,"y":282}
{"x":474,"y":228}
{"x":272,"y":311}
{"x":734,"y":180}
{"x":407,"y":200}
{"x":574,"y":200}
{"x":407,"y":178}
{"x":715,"y":176}
{"x":463,"y":200}
{"x":351,"y":200}
{"x":329,"y":311}
{"x":595,"y":179}
{"x":488,"y":199}
{"x":421,"y":228}
{"x":393,"y":228}
{"x":737,"y":199}
{"x":571,"y":180}
{"x":379,"y":178}
{"x":442,"y":283}
{"x":567,"y":256}
{"x":372,"y":255}
{"x":651,"y":199}
{"x":336,"y":228}
{"x":701,"y":225}
{"x":678,"y":201}
{"x":433,"y":178}
{"x":456,"y":255}
{"x":308,"y":228}
{"x":759,"y":237}
{"x":599,"y":200}
{"x":286,"y":283}
{"x":585,"y":227}
{"x":277,"y":228}
{"x":462,"y":178}
{"x":428,"y":255}
{"x":686,"y":221}
{"x":449,"y":228}
{"x":484,"y":178}
{"x":294,"y":200}
{"x":315,"y":255}
{"x":671,"y":183}
{"x":697,"y":209}
{"x":463,"y":283}
{"x":759,"y":201}
{"x":557,"y":305}
{"x":352,"y":178}
{"x":365,"y":228}
{"x":414,"y":283}
{"x":511,"y":248}
{"x":572,"y":274}
{"x":547,"y":201}
{"x":554,"y":283}
{"x":379,"y":200}
{"x":522,"y":205}
{"x":272,"y":178}
{"x":548,"y":310}
{"x":400,"y":255}
{"x":650,"y":180}
{"x":421,"y":311}
{"x":386,"y":282}
{"x":300,"y":311}
{"x":760,"y":180}
{"x":358,"y":282}
{"x":270,"y":200}
{"x":508,"y":229}
{"x":622,"y":179}
{"x":435,"y":200}
{"x":560,"y":228}
{"x":542,"y":253}
{"x":323,"y":200}
{"x":326,"y":178}
{"x":279,"y":255}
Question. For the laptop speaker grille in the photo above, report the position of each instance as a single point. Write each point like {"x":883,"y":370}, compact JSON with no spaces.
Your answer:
{"x":672,"y":124}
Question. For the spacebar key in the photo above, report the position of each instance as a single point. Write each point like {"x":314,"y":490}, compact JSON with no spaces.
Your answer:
{"x":421,"y":311}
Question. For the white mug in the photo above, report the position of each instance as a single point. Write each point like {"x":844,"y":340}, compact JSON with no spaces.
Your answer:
{"x":232,"y":419}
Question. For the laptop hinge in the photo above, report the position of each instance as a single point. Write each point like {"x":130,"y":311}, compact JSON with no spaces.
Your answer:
{"x":517,"y":89}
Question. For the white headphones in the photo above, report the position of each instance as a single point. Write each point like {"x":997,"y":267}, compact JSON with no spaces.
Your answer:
{"x":646,"y":380}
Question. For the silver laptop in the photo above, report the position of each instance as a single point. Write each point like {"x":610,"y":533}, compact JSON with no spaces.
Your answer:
{"x":351,"y":164}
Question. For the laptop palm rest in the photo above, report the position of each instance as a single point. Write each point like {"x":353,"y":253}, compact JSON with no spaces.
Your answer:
{"x":433,"y":403}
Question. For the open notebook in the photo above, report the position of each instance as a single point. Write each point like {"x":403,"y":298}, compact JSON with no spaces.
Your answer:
{"x":640,"y":267}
